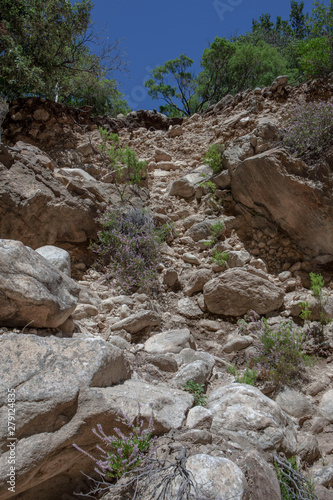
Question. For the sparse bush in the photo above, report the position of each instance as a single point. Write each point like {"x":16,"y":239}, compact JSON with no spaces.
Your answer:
{"x":122,"y":162}
{"x":123,"y":453}
{"x":220,"y":258}
{"x":280,"y":357}
{"x":127,"y":249}
{"x":249,"y":377}
{"x":309,"y":130}
{"x":213,"y":158}
{"x":293,"y":484}
{"x":197,"y":391}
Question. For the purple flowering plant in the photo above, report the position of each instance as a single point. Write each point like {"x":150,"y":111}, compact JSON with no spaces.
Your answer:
{"x":309,"y":128}
{"x":127,"y":249}
{"x":280,"y":357}
{"x":123,"y":453}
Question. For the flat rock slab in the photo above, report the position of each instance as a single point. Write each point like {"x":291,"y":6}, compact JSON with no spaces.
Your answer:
{"x":32,"y":290}
{"x":237,"y":291}
{"x":169,"y":341}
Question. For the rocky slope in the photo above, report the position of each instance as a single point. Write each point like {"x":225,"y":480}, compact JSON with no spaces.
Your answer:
{"x":116,"y":350}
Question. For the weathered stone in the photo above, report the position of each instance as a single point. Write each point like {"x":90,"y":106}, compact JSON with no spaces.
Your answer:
{"x":170,"y":277}
{"x":58,"y":257}
{"x":238,"y":258}
{"x":243,"y":410}
{"x":182,"y":187}
{"x":169,"y":341}
{"x":32,"y":290}
{"x":188,"y":355}
{"x":323,"y":475}
{"x":198,"y":371}
{"x":261,"y":477}
{"x":295,"y":404}
{"x":326,"y":406}
{"x":276,"y":186}
{"x":237,"y":291}
{"x":307,"y":447}
{"x":191,"y":259}
{"x":188,"y":308}
{"x":50,"y":377}
{"x":164,"y":362}
{"x":161,"y":155}
{"x":138,"y":321}
{"x":199,"y":418}
{"x":32,"y":198}
{"x":237,"y":343}
{"x":218,"y":477}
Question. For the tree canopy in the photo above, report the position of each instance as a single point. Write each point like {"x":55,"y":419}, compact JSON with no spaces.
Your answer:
{"x":300,"y":47}
{"x":45,"y":51}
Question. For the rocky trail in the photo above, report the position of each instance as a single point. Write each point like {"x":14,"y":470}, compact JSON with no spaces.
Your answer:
{"x":77,"y":349}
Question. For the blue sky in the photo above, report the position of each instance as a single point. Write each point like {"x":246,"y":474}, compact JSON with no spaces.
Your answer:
{"x":155,"y":31}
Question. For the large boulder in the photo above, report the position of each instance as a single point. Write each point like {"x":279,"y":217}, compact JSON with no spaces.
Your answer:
{"x":237,"y":291}
{"x":240,"y":410}
{"x":35,"y":206}
{"x":54,"y":382}
{"x":32,"y":290}
{"x":218,"y":477}
{"x":64,"y":388}
{"x":58,"y":257}
{"x":169,"y":341}
{"x":277,"y":186}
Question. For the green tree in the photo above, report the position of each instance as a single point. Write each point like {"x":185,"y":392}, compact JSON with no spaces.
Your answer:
{"x":44,"y":48}
{"x":316,"y":52}
{"x":174,"y":84}
{"x":215,"y":81}
{"x":103,"y":95}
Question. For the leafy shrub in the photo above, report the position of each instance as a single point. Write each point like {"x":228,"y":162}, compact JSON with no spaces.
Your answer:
{"x":127,"y":249}
{"x":293,"y":484}
{"x":123,"y":453}
{"x":280,"y":358}
{"x":220,"y":258}
{"x":317,"y":285}
{"x":197,"y":391}
{"x":122,"y":162}
{"x":165,"y":232}
{"x":249,"y":377}
{"x":213,"y":158}
{"x":315,"y":57}
{"x":309,"y":130}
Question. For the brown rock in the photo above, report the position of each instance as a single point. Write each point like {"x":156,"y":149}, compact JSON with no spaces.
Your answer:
{"x":236,"y":291}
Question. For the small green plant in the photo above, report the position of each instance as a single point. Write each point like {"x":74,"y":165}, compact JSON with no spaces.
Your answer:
{"x":164,"y":232}
{"x":280,"y":357}
{"x":293,"y":485}
{"x":220,"y":258}
{"x":197,"y":391}
{"x":213,"y":158}
{"x":305,"y":310}
{"x":122,"y":162}
{"x":249,"y":377}
{"x":317,"y":289}
{"x":123,"y":453}
{"x":232,"y":370}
